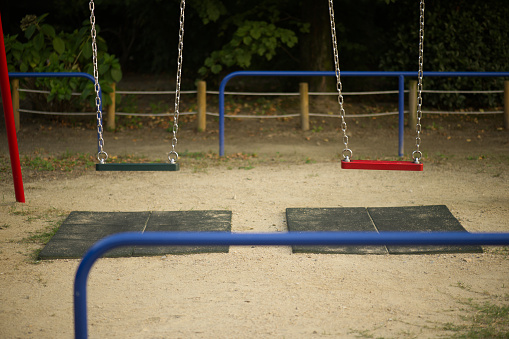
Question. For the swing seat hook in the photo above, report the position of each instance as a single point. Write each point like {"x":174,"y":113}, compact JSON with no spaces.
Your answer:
{"x":173,"y":157}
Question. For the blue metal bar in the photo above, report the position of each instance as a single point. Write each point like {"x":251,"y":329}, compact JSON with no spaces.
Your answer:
{"x":61,"y":75}
{"x":260,"y":239}
{"x":347,"y":74}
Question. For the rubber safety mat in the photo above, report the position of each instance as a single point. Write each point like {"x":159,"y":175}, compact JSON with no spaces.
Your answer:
{"x":435,"y":218}
{"x":82,"y":229}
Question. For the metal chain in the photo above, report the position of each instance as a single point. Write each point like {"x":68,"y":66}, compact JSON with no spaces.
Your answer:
{"x":102,"y":156}
{"x":417,"y":154}
{"x":347,"y":153}
{"x":173,"y":155}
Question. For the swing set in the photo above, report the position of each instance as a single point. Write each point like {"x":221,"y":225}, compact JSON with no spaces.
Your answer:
{"x":346,"y":163}
{"x":102,"y":156}
{"x":172,"y":165}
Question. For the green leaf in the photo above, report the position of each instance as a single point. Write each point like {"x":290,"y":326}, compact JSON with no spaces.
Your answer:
{"x":247,"y":40}
{"x":86,"y":92}
{"x":59,"y":45}
{"x":256,"y":33}
{"x":216,"y":69}
{"x":16,"y":55}
{"x":103,"y":68}
{"x":106,"y":88}
{"x":53,"y":58}
{"x":87,"y":50}
{"x":48,"y":30}
{"x":116,"y":74}
{"x":39,"y":41}
{"x":30,"y":31}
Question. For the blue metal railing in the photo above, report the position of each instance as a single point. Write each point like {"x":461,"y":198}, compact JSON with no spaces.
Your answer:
{"x":401,"y":87}
{"x":260,"y":239}
{"x":61,"y":75}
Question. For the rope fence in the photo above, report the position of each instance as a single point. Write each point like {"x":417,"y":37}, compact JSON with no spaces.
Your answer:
{"x":245,"y":116}
{"x":301,"y":94}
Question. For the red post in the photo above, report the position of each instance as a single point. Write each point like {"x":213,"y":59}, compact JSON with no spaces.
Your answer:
{"x":9,"y":121}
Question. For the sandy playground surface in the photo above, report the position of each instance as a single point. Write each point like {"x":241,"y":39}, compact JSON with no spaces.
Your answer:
{"x":259,"y":292}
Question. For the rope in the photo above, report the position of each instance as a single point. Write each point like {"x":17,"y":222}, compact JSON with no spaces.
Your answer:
{"x":55,"y":113}
{"x":155,"y":92}
{"x":274,"y":93}
{"x":473,"y":112}
{"x":240,"y":116}
{"x":458,"y":92}
{"x":258,"y":116}
{"x":40,"y":91}
{"x":356,"y":93}
{"x":153,"y":114}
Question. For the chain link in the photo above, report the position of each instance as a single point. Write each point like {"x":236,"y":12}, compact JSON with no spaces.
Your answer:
{"x":102,"y":156}
{"x":173,"y":155}
{"x":347,"y":153}
{"x":417,"y":154}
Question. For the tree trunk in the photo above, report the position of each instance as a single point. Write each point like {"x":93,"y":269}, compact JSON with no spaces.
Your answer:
{"x":316,"y":46}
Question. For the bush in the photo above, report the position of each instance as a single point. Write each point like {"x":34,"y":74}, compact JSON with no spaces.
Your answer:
{"x":45,"y":50}
{"x":459,"y":36}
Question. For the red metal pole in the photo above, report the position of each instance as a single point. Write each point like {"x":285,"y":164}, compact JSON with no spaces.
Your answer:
{"x":9,"y":121}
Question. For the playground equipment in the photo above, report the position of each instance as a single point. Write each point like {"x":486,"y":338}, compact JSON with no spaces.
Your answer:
{"x":347,"y":162}
{"x":401,"y":75}
{"x":9,"y":121}
{"x":102,"y":156}
{"x":259,"y":239}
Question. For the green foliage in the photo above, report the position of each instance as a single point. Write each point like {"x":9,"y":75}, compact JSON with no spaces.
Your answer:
{"x":251,"y":33}
{"x":46,"y":50}
{"x":209,"y":10}
{"x":459,"y":36}
{"x":250,"y":39}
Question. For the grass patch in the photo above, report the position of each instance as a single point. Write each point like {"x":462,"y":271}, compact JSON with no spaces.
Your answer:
{"x":487,"y":320}
{"x":66,"y":162}
{"x":41,"y":238}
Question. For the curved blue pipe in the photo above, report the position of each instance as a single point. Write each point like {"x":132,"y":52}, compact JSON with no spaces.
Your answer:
{"x":260,"y":239}
{"x":61,"y":75}
{"x":400,"y":75}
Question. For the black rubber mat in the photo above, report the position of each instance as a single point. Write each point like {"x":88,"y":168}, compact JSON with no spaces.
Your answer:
{"x":186,"y":221}
{"x":341,"y":219}
{"x":435,"y":218}
{"x":82,"y":229}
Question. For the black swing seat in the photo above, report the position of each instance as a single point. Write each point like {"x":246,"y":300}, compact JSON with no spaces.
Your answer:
{"x":382,"y":165}
{"x":149,"y":167}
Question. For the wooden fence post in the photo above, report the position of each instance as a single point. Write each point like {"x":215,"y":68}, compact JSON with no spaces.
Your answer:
{"x":110,"y":123}
{"x":506,"y":105}
{"x":202,"y":106}
{"x":15,"y":103}
{"x":304,"y":106}
{"x":412,"y":104}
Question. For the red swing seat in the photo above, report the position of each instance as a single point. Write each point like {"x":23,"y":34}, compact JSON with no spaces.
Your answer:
{"x":383,"y":165}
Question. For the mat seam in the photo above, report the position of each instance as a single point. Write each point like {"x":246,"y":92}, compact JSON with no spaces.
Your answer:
{"x":146,"y":222}
{"x":376,"y":229}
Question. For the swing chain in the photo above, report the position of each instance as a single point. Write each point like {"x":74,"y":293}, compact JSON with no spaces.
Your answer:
{"x":347,"y":153}
{"x":417,"y":154}
{"x":173,"y":155}
{"x":102,"y":156}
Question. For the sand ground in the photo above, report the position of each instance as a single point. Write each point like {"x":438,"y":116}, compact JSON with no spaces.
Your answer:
{"x":258,"y":292}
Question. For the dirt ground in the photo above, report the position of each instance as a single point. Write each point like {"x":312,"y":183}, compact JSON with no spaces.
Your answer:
{"x":260,"y":292}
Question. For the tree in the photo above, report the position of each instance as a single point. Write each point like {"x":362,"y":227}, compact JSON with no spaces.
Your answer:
{"x":248,"y":33}
{"x":459,"y":36}
{"x":45,"y":49}
{"x":316,"y":46}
